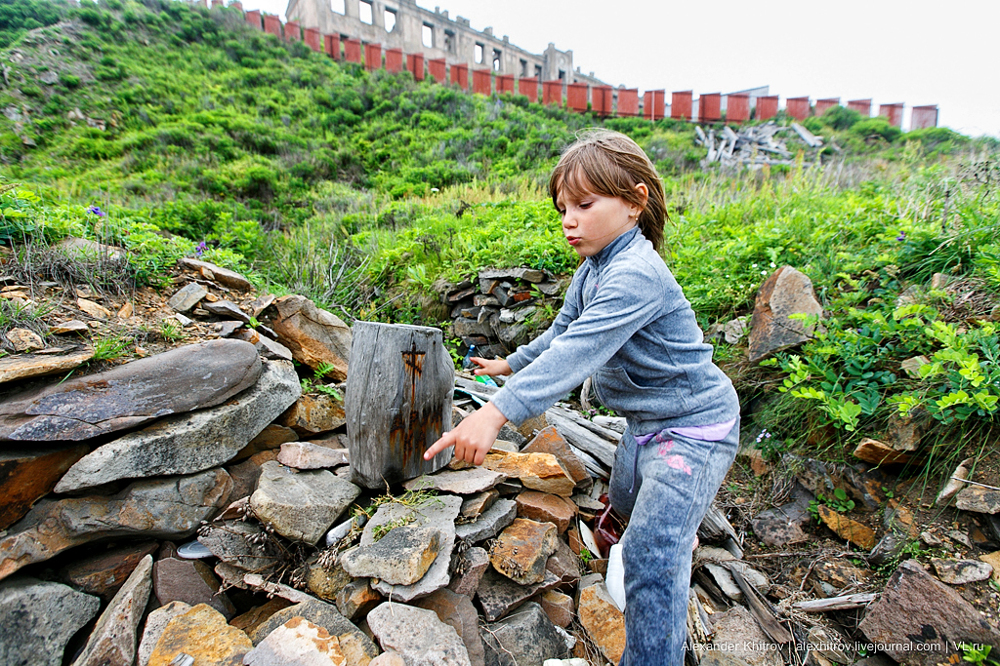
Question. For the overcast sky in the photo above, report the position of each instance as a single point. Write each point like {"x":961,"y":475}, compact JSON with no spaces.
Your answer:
{"x":918,"y":52}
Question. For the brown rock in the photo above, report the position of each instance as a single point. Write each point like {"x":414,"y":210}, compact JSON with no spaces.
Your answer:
{"x":848,"y":529}
{"x":559,"y":607}
{"x":468,"y":568}
{"x":13,"y":368}
{"x":457,"y":611}
{"x":920,"y":620}
{"x":521,"y":550}
{"x":564,"y":563}
{"x":156,"y":622}
{"x":105,"y":573}
{"x":326,"y":583}
{"x":27,"y":476}
{"x":93,"y":309}
{"x":257,"y":615}
{"x":313,"y":414}
{"x":298,"y":642}
{"x":529,"y":427}
{"x":271,"y":437}
{"x":223,"y":276}
{"x":830,"y":577}
{"x":602,"y":620}
{"x":356,"y":598}
{"x":785,"y":292}
{"x":72,"y":326}
{"x":358,"y":648}
{"x":548,"y":440}
{"x":905,"y":432}
{"x":114,"y":639}
{"x":247,"y":473}
{"x":132,"y":394}
{"x":538,"y":471}
{"x":546,"y":508}
{"x":190,"y":581}
{"x":474,"y":506}
{"x":315,"y":336}
{"x":877,"y":453}
{"x":993,"y":559}
{"x":202,"y":633}
{"x":24,"y":340}
{"x":306,"y":455}
{"x":978,"y":499}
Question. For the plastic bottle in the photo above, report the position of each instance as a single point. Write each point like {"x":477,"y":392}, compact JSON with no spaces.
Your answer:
{"x":615,"y":578}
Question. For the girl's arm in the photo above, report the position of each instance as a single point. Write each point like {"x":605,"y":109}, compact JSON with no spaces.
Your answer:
{"x":570,"y":310}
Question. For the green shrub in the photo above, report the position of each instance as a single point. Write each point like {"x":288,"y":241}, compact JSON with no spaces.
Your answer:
{"x":874,"y":129}
{"x":840,"y":118}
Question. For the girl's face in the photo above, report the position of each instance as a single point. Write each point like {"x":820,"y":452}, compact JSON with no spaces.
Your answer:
{"x":591,"y":221}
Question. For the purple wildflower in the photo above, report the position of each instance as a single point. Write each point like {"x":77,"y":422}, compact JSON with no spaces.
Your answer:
{"x":200,"y":249}
{"x":901,"y":237}
{"x":96,"y":210}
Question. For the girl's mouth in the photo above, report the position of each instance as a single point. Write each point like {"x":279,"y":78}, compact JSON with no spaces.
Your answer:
{"x":572,"y":240}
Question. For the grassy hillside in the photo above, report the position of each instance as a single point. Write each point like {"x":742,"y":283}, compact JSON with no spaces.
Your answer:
{"x":193,"y":134}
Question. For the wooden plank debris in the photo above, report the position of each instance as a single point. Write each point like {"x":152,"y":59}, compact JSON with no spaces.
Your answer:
{"x":754,"y":146}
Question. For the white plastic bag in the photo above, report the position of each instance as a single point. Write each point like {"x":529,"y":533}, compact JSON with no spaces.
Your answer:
{"x":615,"y":579}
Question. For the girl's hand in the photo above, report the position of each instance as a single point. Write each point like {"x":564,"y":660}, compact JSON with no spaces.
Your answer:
{"x":494,"y":367}
{"x":473,"y":437}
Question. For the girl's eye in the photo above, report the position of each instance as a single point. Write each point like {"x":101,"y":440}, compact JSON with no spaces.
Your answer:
{"x":585,"y":205}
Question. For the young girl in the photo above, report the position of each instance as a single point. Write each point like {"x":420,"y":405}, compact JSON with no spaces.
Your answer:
{"x":626,"y":322}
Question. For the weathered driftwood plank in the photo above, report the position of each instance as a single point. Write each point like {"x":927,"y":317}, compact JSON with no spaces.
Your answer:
{"x":397,"y":403}
{"x":836,"y":603}
{"x":581,"y":437}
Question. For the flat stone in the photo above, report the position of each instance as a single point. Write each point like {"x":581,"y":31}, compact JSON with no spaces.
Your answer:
{"x":264,"y":345}
{"x":401,"y":557}
{"x":724,"y":580}
{"x":227,"y":309}
{"x":538,"y":471}
{"x":474,"y":506}
{"x":170,"y":508}
{"x":499,"y":595}
{"x":298,"y":642}
{"x":68,"y":327}
{"x":830,"y":645}
{"x":920,"y":620}
{"x":313,"y":414}
{"x":257,"y":615}
{"x":355,"y":645}
{"x":326,"y":582}
{"x":82,"y":249}
{"x":114,"y":640}
{"x":489,"y":523}
{"x":559,"y":608}
{"x":247,"y":473}
{"x":300,"y":505}
{"x":418,"y":636}
{"x":314,"y":335}
{"x":357,"y":598}
{"x":226,"y":329}
{"x":785,"y":292}
{"x":37,"y":620}
{"x":14,"y":368}
{"x":875,"y":452}
{"x":522,"y":549}
{"x":462,"y":482}
{"x":468,"y":568}
{"x":306,"y":455}
{"x":737,"y":633}
{"x":519,"y":273}
{"x":978,"y":499}
{"x":548,"y":440}
{"x":993,"y":559}
{"x":223,"y":276}
{"x":846,"y":528}
{"x":388,"y":658}
{"x":784,"y":525}
{"x":24,"y":340}
{"x":271,"y":437}
{"x":524,"y":637}
{"x":564,"y":563}
{"x":904,"y":433}
{"x":438,"y":512}
{"x":187,"y":297}
{"x":156,"y":623}
{"x":546,"y":508}
{"x":95,"y":310}
{"x":830,"y":577}
{"x":28,"y":475}
{"x":192,"y":442}
{"x":603,"y":622}
{"x":961,"y":572}
{"x":104,"y":574}
{"x":130,"y":395}
{"x":190,"y":581}
{"x":457,"y":611}
{"x":202,"y":633}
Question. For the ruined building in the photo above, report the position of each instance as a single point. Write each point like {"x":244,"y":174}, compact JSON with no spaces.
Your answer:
{"x":401,"y":24}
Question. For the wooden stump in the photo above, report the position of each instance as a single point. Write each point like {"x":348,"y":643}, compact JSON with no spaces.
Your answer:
{"x":397,"y":403}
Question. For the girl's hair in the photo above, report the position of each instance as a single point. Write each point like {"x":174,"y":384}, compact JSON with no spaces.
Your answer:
{"x":611,"y":164}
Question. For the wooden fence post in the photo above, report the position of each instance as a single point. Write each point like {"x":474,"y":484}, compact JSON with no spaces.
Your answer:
{"x":398,"y":402}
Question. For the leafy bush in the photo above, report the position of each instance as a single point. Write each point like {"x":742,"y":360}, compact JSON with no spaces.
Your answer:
{"x":873,"y":129}
{"x":840,"y":118}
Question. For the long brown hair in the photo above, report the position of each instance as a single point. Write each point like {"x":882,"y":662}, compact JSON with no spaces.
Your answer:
{"x":611,"y":164}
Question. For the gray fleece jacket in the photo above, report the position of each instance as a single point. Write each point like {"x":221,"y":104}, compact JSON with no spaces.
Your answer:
{"x":625,"y":322}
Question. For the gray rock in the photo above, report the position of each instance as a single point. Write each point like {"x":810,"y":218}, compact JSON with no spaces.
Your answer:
{"x":499,"y":595}
{"x":300,"y":505}
{"x":489,"y":523}
{"x":417,"y":635}
{"x":189,"y":443}
{"x":461,"y":482}
{"x":525,"y":637}
{"x":306,"y":455}
{"x":82,"y":249}
{"x":192,"y":582}
{"x":180,"y":380}
{"x":457,"y":611}
{"x":784,"y":525}
{"x":978,"y":499}
{"x":737,"y":633}
{"x":785,"y":292}
{"x":298,"y":642}
{"x":226,"y":309}
{"x":187,"y":297}
{"x":468,"y":568}
{"x":169,"y":508}
{"x":920,"y":619}
{"x":223,"y":276}
{"x":438,"y":512}
{"x":355,"y":645}
{"x":156,"y":622}
{"x":401,"y":557}
{"x":114,"y":639}
{"x":960,"y":572}
{"x":38,"y":618}
{"x":236,"y":542}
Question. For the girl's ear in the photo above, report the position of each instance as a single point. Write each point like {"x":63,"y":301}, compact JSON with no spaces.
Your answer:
{"x":643,"y":192}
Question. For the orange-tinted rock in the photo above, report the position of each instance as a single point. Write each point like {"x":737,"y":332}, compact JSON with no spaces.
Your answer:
{"x":104,"y":573}
{"x":785,"y":292}
{"x":202,"y":633}
{"x":851,"y":530}
{"x":313,"y":414}
{"x":548,"y":440}
{"x":315,"y":336}
{"x":537,"y":471}
{"x":558,"y":607}
{"x":298,"y":641}
{"x":877,"y":453}
{"x":356,"y":598}
{"x":26,"y":477}
{"x":546,"y":508}
{"x":521,"y":550}
{"x":13,"y":368}
{"x":256,"y":616}
{"x":602,"y":620}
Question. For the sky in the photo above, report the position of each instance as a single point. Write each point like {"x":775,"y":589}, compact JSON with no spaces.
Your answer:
{"x":917,"y":52}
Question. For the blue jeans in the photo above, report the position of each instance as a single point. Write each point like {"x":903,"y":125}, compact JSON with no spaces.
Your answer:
{"x":676,"y":480}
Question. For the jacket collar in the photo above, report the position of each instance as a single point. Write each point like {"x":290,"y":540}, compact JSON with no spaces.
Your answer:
{"x":614,"y":247}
